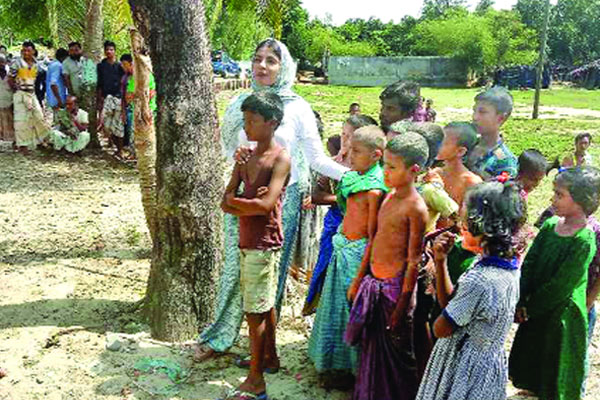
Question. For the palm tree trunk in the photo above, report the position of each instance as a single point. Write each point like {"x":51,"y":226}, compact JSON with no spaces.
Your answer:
{"x":92,"y":45}
{"x":187,"y":250}
{"x":145,"y":137}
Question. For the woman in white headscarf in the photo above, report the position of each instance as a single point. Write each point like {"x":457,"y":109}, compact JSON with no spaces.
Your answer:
{"x":273,"y":70}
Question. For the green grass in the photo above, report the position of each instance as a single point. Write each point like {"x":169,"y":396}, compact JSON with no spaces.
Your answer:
{"x":552,"y":134}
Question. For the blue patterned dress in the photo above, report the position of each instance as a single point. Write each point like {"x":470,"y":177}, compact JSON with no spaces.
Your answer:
{"x":471,"y":364}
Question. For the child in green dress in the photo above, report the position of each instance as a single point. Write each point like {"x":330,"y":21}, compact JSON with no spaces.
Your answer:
{"x":548,"y":354}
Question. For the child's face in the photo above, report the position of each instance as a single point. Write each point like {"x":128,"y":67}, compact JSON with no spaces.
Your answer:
{"x":563,"y":203}
{"x":257,"y":129}
{"x":450,"y":149}
{"x":395,"y":173}
{"x":582,"y":144}
{"x":362,"y":157}
{"x":532,"y":180}
{"x":486,"y":118}
{"x":354,"y":110}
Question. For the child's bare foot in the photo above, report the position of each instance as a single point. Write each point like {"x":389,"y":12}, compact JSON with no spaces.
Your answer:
{"x":256,"y":386}
{"x":271,"y":366}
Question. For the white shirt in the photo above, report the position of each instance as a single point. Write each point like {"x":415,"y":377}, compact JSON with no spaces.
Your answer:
{"x":299,"y":128}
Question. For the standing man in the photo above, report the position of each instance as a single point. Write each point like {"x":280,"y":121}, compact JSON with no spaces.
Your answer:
{"x":399,"y":102}
{"x":30,"y":126}
{"x":108,"y":94}
{"x":56,"y":91}
{"x":73,"y":69}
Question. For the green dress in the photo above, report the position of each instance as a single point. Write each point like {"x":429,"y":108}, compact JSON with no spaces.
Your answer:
{"x":548,"y":354}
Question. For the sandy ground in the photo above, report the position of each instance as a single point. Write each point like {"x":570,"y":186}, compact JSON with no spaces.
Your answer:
{"x":73,"y":265}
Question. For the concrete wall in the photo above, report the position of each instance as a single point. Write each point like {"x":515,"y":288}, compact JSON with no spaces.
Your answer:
{"x":382,"y":71}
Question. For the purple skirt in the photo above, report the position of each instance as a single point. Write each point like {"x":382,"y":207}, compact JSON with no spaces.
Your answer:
{"x":387,"y":366}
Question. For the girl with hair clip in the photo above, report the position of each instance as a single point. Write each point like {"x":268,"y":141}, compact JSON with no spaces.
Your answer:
{"x":549,"y":351}
{"x":468,"y":360}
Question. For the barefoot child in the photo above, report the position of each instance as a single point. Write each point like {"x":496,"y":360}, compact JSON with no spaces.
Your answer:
{"x":491,"y":157}
{"x":384,"y":289}
{"x":261,"y":233}
{"x":323,"y":195}
{"x":580,"y":156}
{"x":359,"y":194}
{"x":459,"y":139}
{"x":468,"y":361}
{"x":548,"y":353}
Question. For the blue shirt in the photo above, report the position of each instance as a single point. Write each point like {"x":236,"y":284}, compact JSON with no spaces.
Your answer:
{"x":54,"y":76}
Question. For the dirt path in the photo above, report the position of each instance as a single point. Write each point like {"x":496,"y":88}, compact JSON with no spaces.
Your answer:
{"x":73,"y":265}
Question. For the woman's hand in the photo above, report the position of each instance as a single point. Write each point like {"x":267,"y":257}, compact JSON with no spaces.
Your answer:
{"x":442,"y":246}
{"x":242,"y":155}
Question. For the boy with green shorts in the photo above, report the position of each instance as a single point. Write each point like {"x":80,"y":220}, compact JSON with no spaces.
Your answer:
{"x":261,"y":234}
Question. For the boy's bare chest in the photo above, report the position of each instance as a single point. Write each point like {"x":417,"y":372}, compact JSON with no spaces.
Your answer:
{"x":256,"y":168}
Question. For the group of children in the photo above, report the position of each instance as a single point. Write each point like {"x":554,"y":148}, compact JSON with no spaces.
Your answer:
{"x":422,"y":269}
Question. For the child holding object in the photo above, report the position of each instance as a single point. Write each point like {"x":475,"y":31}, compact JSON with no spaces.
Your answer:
{"x":383,"y":293}
{"x":359,"y":195}
{"x":468,"y":360}
{"x":261,"y":234}
{"x":549,"y":351}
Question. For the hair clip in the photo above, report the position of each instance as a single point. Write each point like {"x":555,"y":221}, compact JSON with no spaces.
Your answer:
{"x":503,"y":177}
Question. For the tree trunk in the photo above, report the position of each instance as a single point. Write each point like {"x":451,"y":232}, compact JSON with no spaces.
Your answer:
{"x":145,"y":137}
{"x":92,"y":44}
{"x":187,"y":251}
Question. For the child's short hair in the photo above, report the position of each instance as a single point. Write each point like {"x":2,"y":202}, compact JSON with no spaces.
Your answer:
{"x":402,"y":126}
{"x":412,"y":147}
{"x":498,"y":97}
{"x":434,"y":135}
{"x":334,"y":144}
{"x":266,"y":104}
{"x":495,"y":211}
{"x":583,"y":135}
{"x":532,"y":161}
{"x":583,"y":184}
{"x":405,"y":94}
{"x":360,"y":120}
{"x":370,"y":136}
{"x":353,"y":105}
{"x":466,"y":134}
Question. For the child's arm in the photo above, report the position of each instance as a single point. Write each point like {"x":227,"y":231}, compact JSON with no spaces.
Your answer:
{"x":374,"y":199}
{"x":444,"y":287}
{"x":415,"y":251}
{"x":320,"y":195}
{"x":264,"y":205}
{"x":362,"y":271}
{"x":230,"y":190}
{"x":592,"y":294}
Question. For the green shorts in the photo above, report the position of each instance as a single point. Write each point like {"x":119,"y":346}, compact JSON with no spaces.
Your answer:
{"x":258,"y":279}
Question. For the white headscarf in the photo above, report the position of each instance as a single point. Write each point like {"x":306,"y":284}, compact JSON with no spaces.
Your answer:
{"x":233,"y":121}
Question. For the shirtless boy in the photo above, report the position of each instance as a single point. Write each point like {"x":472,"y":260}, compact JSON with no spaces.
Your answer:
{"x":261,"y":233}
{"x":384,"y":290}
{"x":359,"y":195}
{"x":459,"y":139}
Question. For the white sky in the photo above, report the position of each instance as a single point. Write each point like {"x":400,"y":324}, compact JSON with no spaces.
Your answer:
{"x":385,"y":10}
